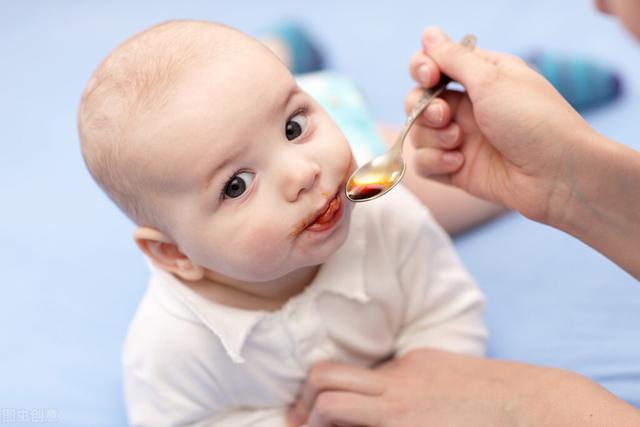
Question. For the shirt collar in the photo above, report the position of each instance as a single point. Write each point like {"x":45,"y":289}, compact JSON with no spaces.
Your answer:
{"x":231,"y":325}
{"x":342,"y":274}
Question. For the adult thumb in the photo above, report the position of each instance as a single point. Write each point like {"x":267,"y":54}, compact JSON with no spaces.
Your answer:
{"x":458,"y":62}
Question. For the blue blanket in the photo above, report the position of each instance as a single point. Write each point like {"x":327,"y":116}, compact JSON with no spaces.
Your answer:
{"x":73,"y":276}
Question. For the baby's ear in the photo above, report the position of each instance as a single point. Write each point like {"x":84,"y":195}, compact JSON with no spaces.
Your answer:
{"x":165,"y":254}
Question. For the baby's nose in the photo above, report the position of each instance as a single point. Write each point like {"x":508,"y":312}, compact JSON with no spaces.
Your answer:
{"x":299,"y":177}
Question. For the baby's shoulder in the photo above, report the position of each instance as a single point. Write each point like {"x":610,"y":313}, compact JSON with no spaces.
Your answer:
{"x":158,"y":335}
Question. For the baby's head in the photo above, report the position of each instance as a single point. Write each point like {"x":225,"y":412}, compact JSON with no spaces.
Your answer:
{"x":202,"y":137}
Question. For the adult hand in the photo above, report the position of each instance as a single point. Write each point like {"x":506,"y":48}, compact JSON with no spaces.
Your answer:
{"x":509,"y":138}
{"x":512,"y":139}
{"x":436,"y":388}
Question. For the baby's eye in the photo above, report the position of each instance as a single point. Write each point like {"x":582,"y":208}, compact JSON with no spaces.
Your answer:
{"x":237,"y":185}
{"x":296,"y":126}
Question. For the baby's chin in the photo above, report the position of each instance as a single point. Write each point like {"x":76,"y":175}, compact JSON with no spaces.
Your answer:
{"x":319,"y":255}
{"x":303,"y":262}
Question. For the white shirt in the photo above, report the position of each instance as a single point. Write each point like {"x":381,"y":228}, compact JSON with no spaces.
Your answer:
{"x":395,"y":285}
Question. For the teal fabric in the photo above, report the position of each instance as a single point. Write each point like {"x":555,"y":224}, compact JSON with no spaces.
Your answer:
{"x":583,"y":82}
{"x":346,"y":105}
{"x":305,"y":55}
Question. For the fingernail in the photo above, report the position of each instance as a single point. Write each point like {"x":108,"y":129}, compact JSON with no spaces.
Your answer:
{"x":433,"y":35}
{"x":423,"y":74}
{"x":434,"y":113}
{"x":452,"y":157}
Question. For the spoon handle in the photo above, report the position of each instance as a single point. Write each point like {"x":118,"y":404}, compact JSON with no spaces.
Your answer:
{"x":469,"y":42}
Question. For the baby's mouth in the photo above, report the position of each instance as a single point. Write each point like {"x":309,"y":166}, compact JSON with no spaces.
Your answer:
{"x":329,"y":213}
{"x":323,"y":219}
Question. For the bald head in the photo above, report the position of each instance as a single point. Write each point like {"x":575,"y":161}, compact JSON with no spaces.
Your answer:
{"x":134,"y":81}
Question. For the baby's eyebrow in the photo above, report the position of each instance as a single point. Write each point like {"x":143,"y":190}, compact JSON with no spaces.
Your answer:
{"x":281,"y":106}
{"x":214,"y":171}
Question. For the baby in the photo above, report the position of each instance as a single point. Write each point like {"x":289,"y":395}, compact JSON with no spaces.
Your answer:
{"x":260,"y":266}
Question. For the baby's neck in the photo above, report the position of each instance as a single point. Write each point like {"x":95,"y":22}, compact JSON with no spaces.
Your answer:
{"x":268,"y":296}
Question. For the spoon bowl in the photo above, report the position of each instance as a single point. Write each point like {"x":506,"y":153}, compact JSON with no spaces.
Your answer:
{"x":376,"y":177}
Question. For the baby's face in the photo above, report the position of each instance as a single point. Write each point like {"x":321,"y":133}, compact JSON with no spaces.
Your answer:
{"x":253,"y":169}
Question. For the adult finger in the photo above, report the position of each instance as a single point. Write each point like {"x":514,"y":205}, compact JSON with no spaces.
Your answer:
{"x":437,"y":164}
{"x":345,"y":409}
{"x":424,"y":70}
{"x":491,"y":56}
{"x":448,"y":100}
{"x":436,"y":115}
{"x":456,"y":61}
{"x":448,"y":138}
{"x":326,"y":376}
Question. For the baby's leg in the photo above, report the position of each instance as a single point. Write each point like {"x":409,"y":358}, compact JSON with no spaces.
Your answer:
{"x":455,"y":210}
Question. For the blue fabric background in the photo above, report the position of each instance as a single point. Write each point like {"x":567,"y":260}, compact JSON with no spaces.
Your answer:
{"x":72,"y":276}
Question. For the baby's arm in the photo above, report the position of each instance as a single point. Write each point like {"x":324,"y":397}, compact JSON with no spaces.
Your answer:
{"x":187,"y":394}
{"x":168,"y":387}
{"x":187,"y":400}
{"x":444,"y":307}
{"x":177,"y":373}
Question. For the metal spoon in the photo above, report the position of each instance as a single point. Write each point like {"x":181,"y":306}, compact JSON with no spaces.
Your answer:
{"x":382,"y":173}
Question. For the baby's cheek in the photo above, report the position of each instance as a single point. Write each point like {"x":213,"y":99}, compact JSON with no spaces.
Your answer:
{"x":264,"y":239}
{"x":264,"y":246}
{"x":345,"y":155}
